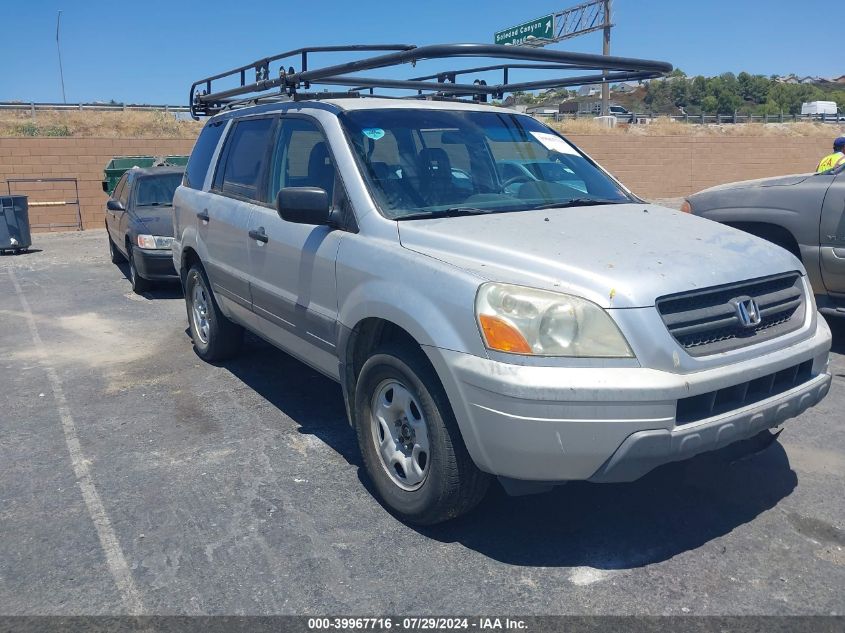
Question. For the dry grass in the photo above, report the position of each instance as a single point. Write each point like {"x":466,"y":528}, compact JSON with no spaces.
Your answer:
{"x":131,"y":124}
{"x":663,"y":126}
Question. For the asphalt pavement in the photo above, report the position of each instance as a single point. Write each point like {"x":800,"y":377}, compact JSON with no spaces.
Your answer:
{"x":135,"y":478}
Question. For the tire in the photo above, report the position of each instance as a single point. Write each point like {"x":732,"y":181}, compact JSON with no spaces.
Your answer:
{"x":114,"y":254}
{"x":139,"y":284}
{"x":215,"y":337}
{"x":443,"y":484}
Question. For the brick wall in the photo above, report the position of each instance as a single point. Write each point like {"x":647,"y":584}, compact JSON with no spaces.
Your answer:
{"x":675,"y":166}
{"x":651,"y":166}
{"x":81,"y":158}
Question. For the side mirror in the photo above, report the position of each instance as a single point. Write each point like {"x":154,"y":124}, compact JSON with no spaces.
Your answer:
{"x":105,"y":184}
{"x":304,"y":205}
{"x":115,"y":205}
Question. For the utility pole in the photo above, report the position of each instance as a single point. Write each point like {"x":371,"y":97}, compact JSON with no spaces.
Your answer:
{"x":605,"y":88}
{"x":59,"y":48}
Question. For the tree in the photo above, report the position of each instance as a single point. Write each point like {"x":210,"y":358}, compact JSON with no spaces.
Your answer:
{"x":725,"y":89}
{"x":789,"y":97}
{"x":754,"y":88}
{"x":697,"y":90}
{"x":709,"y":104}
{"x":679,"y":90}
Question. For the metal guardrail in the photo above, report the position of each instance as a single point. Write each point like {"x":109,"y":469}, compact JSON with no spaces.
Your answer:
{"x":702,"y":119}
{"x":32,"y":107}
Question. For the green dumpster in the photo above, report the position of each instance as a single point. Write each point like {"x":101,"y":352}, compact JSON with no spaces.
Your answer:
{"x":119,"y":165}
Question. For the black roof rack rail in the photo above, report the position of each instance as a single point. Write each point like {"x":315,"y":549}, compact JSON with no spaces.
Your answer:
{"x":206,"y":101}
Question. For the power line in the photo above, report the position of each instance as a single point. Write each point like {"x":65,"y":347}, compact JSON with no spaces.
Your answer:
{"x":59,"y":48}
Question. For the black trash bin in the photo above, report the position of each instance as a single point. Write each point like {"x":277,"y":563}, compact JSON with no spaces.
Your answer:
{"x":15,"y":235}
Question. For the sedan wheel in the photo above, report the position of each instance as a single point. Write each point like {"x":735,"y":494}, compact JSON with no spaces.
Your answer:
{"x":114,"y":254}
{"x":139,"y":284}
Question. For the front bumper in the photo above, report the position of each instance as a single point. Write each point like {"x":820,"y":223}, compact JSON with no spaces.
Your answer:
{"x":155,"y":265}
{"x":613,"y":423}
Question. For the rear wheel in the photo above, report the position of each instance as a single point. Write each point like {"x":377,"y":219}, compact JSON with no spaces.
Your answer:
{"x":412,"y":448}
{"x":215,"y":337}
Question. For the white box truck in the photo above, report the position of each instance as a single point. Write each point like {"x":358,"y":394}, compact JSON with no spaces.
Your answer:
{"x":819,"y":108}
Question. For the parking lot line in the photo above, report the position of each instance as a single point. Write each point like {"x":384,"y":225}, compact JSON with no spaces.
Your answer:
{"x":108,"y":538}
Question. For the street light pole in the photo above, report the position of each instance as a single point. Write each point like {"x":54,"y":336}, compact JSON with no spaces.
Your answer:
{"x":605,"y":88}
{"x":59,"y":48}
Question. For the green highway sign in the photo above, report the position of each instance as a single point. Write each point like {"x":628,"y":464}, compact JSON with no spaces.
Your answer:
{"x":542,"y":29}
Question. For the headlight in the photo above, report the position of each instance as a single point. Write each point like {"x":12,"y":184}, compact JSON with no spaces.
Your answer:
{"x":154,"y":242}
{"x":521,"y":320}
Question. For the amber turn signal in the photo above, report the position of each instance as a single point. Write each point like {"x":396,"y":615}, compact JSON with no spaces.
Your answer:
{"x":502,"y":336}
{"x":686,"y":207}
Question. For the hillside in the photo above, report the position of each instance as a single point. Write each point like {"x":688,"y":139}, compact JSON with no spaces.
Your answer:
{"x":158,"y":125}
{"x":87,"y":123}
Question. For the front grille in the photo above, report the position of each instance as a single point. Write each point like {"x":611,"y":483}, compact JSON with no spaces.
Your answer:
{"x":707,"y":405}
{"x":707,"y":321}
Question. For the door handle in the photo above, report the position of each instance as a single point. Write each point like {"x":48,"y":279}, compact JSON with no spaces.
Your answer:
{"x":203,"y":215}
{"x":259,"y":234}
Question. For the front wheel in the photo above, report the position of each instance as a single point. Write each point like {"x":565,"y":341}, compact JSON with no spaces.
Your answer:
{"x":139,"y":284}
{"x":412,"y":448}
{"x":215,"y":337}
{"x":114,"y":254}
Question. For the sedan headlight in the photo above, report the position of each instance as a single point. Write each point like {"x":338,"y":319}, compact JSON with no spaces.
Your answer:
{"x":154,"y":242}
{"x":520,"y":320}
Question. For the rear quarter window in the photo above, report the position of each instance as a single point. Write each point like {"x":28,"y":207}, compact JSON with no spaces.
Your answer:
{"x":201,"y":155}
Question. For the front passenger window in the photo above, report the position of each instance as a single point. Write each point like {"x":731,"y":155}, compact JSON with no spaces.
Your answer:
{"x":301,"y":158}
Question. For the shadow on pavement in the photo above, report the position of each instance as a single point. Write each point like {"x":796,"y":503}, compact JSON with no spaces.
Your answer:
{"x":673,"y":509}
{"x":160,"y":289}
{"x":303,"y":394}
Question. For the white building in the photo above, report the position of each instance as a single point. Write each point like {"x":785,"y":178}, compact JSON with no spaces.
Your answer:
{"x":589,"y":91}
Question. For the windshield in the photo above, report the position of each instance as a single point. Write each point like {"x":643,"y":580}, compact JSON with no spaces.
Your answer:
{"x":426,"y":163}
{"x":156,"y":191}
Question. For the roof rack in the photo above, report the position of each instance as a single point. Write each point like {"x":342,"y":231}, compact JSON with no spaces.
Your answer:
{"x":205,"y":100}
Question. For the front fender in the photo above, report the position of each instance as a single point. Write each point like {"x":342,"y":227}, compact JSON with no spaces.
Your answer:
{"x":428,"y":323}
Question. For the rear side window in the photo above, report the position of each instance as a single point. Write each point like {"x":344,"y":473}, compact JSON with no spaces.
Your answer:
{"x":201,"y":155}
{"x":246,"y":149}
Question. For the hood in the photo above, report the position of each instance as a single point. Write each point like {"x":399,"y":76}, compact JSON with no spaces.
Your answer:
{"x":618,"y":256}
{"x":155,"y":220}
{"x":777,"y":181}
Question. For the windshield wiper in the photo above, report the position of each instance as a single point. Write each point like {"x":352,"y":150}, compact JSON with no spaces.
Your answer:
{"x":576,"y":202}
{"x":452,"y":212}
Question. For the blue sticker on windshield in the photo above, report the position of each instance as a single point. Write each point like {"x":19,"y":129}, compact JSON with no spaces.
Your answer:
{"x":374,"y":133}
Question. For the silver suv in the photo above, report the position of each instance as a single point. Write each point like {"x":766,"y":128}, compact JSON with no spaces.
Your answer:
{"x":543,"y":327}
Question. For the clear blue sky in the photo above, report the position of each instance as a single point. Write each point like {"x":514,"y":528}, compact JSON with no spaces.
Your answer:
{"x":151,"y":51}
